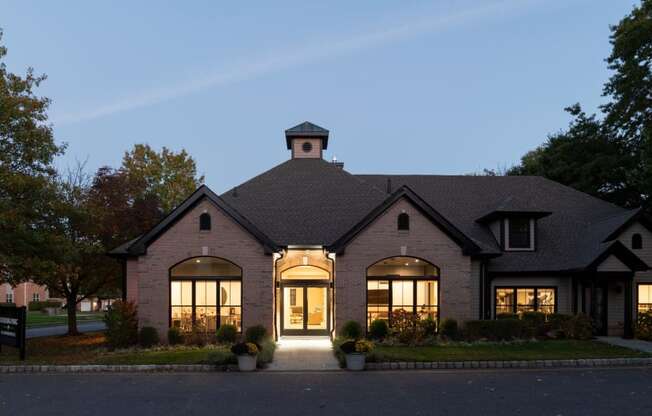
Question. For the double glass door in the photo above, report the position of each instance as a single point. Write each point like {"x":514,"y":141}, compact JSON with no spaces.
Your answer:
{"x":305,"y":310}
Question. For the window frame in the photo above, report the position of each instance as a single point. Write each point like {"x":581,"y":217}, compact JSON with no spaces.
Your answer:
{"x":9,"y":297}
{"x":531,"y":232}
{"x":395,"y":278}
{"x":637,"y":241}
{"x":403,"y":222}
{"x":638,"y":301}
{"x":205,"y":222}
{"x":36,"y":297}
{"x":515,"y":304}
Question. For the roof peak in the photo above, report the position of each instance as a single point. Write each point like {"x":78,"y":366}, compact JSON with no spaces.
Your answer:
{"x":306,"y":129}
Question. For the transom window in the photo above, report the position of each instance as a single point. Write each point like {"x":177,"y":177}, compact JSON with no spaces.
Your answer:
{"x":519,"y":234}
{"x":205,"y":292}
{"x":525,"y":299}
{"x":637,"y":242}
{"x":402,"y":283}
{"x":644,"y":297}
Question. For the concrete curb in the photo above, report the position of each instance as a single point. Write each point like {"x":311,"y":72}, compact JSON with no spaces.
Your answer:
{"x":440,"y":365}
{"x":200,"y":368}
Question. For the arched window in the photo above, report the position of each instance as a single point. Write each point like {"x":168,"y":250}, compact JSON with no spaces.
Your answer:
{"x":205,"y":293}
{"x":204,"y":222}
{"x":403,"y":222}
{"x":637,"y":242}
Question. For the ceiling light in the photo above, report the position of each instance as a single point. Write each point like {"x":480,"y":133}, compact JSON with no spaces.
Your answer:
{"x":198,"y":261}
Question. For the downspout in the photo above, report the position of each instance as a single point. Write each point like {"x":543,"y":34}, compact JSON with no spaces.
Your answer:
{"x":278,"y":256}
{"x":332,"y":260}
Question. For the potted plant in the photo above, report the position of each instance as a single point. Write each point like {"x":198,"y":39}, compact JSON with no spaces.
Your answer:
{"x":355,"y":352}
{"x":247,"y":353}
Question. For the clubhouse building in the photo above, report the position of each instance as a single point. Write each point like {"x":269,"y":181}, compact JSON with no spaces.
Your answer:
{"x":306,"y":246}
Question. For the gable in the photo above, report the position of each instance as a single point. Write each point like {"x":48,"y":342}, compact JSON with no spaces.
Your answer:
{"x":625,"y":238}
{"x":613,"y":264}
{"x":387,"y":214}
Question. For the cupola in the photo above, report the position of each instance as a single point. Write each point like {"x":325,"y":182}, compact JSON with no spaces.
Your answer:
{"x":306,"y":140}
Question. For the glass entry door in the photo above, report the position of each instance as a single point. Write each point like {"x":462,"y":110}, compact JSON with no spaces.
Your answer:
{"x":305,"y":310}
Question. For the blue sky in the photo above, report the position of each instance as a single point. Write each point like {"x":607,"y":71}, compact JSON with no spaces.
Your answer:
{"x":444,"y":87}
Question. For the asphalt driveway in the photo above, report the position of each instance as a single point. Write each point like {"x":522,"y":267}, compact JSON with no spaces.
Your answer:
{"x":509,"y":392}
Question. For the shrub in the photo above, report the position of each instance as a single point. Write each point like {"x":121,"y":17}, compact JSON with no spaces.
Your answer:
{"x":245,"y":348}
{"x":578,"y":327}
{"x":8,"y":305}
{"x":148,"y":337}
{"x":197,"y":337}
{"x":256,"y":334}
{"x":356,"y":347}
{"x":448,"y":328}
{"x":227,"y":334}
{"x":121,"y":322}
{"x":266,"y":351}
{"x":496,"y":330}
{"x":506,"y":315}
{"x":405,"y":327}
{"x":175,"y":337}
{"x":556,"y":324}
{"x":644,"y":326}
{"x":536,"y":323}
{"x":351,"y":329}
{"x":427,"y":327}
{"x":41,"y":305}
{"x":378,"y":329}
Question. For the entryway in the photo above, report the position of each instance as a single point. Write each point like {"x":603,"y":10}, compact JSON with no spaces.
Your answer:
{"x":304,"y":354}
{"x":305,"y":308}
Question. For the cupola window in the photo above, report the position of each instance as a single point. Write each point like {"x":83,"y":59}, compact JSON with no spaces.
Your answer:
{"x":637,"y":242}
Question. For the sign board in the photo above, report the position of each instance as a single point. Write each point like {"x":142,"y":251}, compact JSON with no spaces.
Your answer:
{"x":13,"y":321}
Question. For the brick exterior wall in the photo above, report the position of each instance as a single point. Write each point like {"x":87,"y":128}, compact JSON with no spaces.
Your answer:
{"x":380,"y":240}
{"x":148,"y":276}
{"x":23,"y":293}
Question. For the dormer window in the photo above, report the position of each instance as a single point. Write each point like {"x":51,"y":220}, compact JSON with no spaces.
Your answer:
{"x":637,"y":242}
{"x":204,"y":222}
{"x":519,"y":234}
{"x":403,"y":222}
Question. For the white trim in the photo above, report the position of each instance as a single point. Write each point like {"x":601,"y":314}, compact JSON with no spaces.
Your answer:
{"x":532,"y":230}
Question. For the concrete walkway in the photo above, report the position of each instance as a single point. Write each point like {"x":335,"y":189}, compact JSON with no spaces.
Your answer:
{"x":634,"y":344}
{"x":48,"y":331}
{"x":304,"y":354}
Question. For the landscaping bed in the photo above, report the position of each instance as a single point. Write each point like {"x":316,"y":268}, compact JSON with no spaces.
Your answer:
{"x":521,"y":351}
{"x":91,"y":349}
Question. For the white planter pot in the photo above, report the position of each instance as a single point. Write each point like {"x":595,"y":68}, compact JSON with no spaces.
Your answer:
{"x":247,"y":362}
{"x":355,"y":362}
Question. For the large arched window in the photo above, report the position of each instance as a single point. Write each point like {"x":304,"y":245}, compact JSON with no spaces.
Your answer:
{"x":637,"y":242}
{"x":403,"y":222}
{"x":205,"y":292}
{"x":402,"y":283}
{"x":204,"y":222}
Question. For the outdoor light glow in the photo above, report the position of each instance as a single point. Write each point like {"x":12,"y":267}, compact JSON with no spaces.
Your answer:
{"x":198,"y":261}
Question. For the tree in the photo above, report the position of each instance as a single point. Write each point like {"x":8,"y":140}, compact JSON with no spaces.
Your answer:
{"x":629,"y":113}
{"x":168,"y":175}
{"x":586,"y":157}
{"x":27,"y":150}
{"x":80,"y":267}
{"x":610,"y":157}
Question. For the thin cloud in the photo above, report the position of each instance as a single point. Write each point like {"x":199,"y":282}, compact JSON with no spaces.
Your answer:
{"x":281,"y":60}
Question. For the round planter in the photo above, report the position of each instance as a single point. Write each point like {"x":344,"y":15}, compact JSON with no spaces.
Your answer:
{"x":247,"y":362}
{"x":355,"y":362}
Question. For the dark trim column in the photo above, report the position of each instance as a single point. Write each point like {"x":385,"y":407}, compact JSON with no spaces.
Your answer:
{"x":574,"y":294}
{"x":629,"y":306}
{"x":124,"y":279}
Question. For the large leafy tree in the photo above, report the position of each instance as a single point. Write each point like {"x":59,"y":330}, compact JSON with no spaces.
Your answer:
{"x":610,"y":157}
{"x":168,"y":175}
{"x":27,"y":150}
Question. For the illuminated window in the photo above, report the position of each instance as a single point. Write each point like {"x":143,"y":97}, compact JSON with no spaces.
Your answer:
{"x":525,"y":299}
{"x":644,"y":297}
{"x":205,"y":292}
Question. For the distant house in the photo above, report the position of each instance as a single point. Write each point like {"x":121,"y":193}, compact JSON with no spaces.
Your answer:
{"x":23,"y":294}
{"x":306,"y":246}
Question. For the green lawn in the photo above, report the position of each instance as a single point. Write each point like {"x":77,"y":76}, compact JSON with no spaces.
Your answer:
{"x":541,"y":350}
{"x":38,"y":319}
